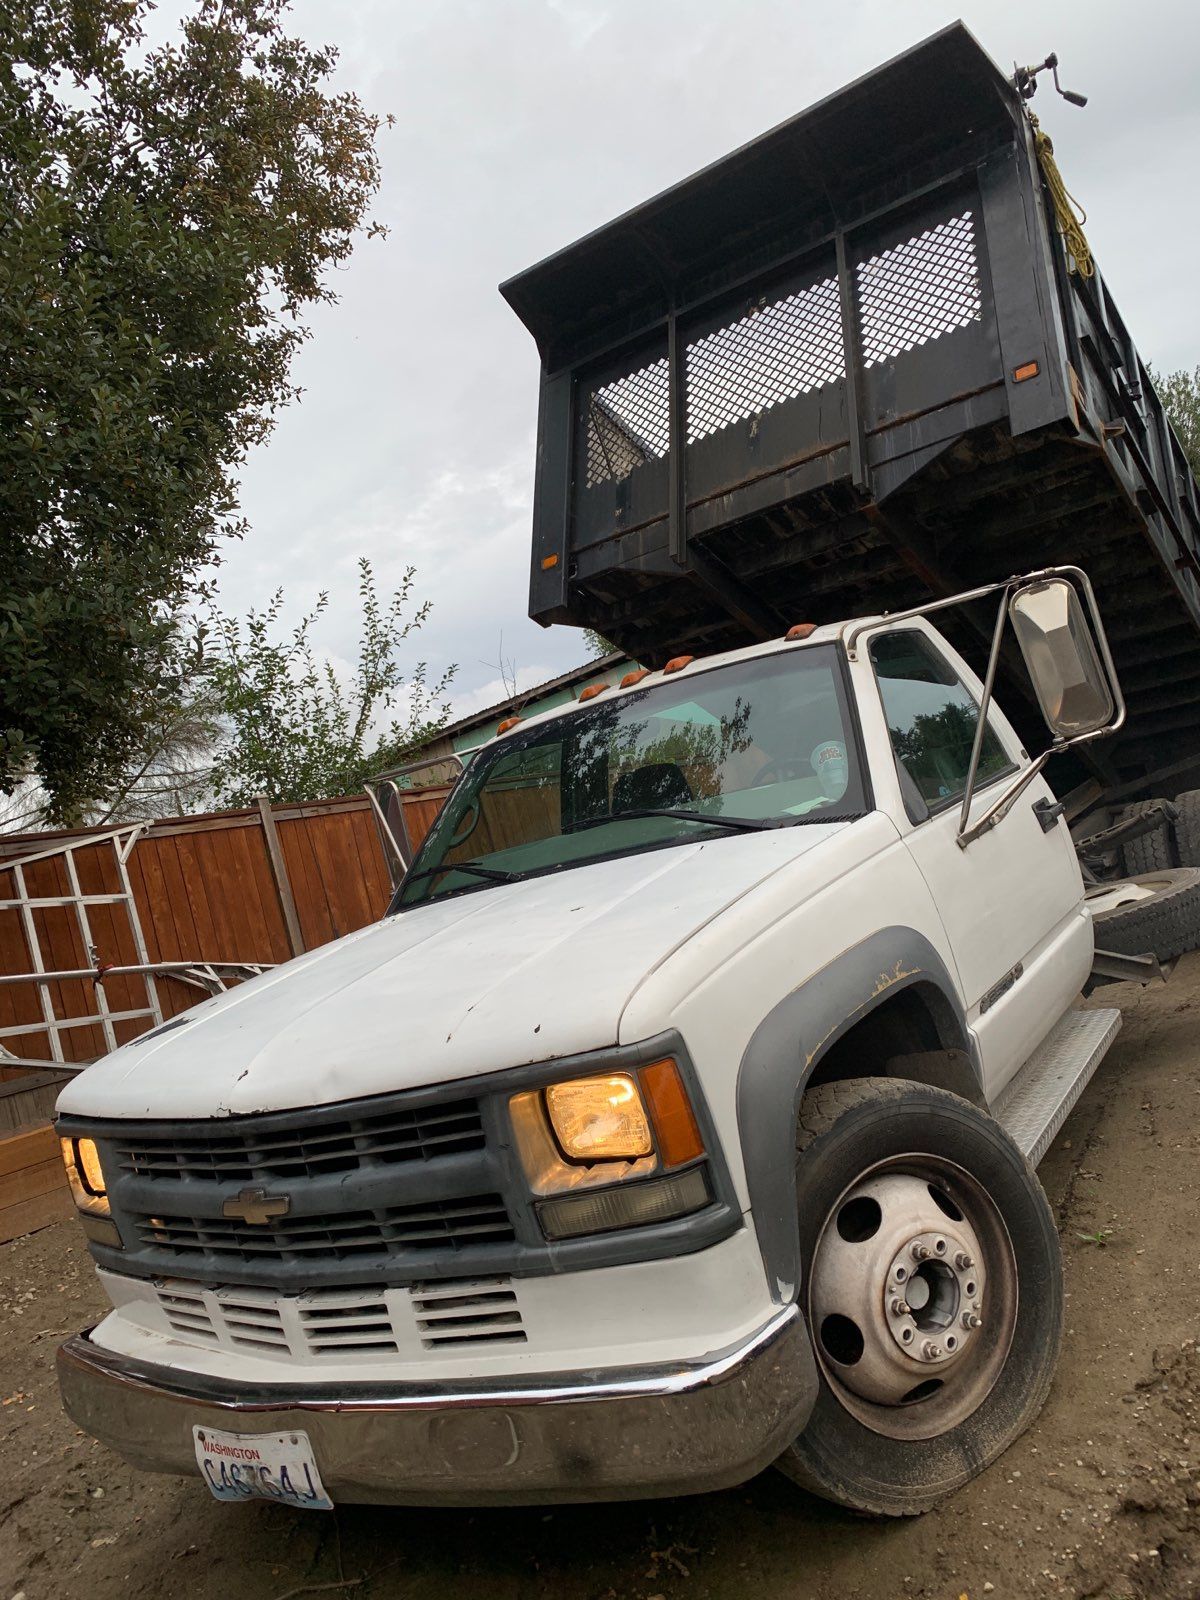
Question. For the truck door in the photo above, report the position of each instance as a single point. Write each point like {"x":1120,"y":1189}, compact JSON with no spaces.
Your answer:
{"x":1011,"y":901}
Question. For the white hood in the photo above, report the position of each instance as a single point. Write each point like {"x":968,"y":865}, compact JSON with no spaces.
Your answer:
{"x":521,"y":972}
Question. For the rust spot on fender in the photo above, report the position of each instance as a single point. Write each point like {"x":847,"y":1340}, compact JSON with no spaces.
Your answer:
{"x":883,"y":983}
{"x":886,"y":979}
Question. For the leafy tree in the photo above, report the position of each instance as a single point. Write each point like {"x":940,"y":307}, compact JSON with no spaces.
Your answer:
{"x":1180,"y":395}
{"x":164,"y":773}
{"x":599,"y":645}
{"x":167,"y":215}
{"x":169,"y":773}
{"x":295,"y":730}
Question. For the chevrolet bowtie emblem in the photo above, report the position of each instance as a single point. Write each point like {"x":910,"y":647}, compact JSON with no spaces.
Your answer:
{"x":256,"y":1206}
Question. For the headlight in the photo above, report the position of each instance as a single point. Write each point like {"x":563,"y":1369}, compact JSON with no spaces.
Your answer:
{"x":89,"y":1190}
{"x":625,"y":1147}
{"x":85,"y":1175}
{"x":600,"y":1119}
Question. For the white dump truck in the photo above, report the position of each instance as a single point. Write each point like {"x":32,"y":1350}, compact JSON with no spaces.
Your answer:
{"x":681,"y":1115}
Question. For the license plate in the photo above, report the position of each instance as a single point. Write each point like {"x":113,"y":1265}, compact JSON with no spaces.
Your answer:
{"x":261,"y":1466}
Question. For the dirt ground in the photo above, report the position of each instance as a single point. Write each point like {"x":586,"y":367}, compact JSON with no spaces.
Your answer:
{"x":1100,"y":1499}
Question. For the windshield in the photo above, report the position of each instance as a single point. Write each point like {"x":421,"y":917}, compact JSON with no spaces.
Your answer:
{"x":762,"y":743}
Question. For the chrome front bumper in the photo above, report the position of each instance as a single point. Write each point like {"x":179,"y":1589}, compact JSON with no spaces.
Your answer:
{"x":619,"y":1435}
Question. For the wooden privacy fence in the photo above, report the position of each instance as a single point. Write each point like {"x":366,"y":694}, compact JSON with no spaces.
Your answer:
{"x":251,"y":887}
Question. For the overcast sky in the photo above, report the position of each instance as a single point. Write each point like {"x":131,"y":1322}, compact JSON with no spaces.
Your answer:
{"x":521,"y":124}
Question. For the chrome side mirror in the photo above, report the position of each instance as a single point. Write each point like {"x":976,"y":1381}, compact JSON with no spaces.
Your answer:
{"x":1062,"y":658}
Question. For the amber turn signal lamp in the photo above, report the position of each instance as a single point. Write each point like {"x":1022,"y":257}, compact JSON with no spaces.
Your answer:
{"x":630,"y":678}
{"x":548,"y":562}
{"x":674,"y":1121}
{"x":800,"y":631}
{"x":509,"y":722}
{"x":1029,"y":369}
{"x":677,"y":663}
{"x":592,"y":690}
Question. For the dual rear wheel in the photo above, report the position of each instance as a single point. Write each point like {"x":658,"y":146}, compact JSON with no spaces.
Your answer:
{"x":932,"y":1290}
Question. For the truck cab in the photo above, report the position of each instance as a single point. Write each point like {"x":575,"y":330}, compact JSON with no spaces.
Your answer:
{"x":498,"y":1198}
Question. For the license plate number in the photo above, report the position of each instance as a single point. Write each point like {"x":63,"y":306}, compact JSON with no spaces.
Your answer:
{"x":261,"y":1466}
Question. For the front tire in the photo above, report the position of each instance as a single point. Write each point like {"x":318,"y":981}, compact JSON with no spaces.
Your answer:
{"x":932,"y":1289}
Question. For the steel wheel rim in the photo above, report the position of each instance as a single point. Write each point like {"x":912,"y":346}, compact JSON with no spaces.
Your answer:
{"x":897,"y":1385}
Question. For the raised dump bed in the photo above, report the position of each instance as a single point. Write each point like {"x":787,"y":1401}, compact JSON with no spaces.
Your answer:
{"x":849,"y":367}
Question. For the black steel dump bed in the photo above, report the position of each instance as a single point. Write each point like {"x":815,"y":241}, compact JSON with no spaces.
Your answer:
{"x":849,"y":367}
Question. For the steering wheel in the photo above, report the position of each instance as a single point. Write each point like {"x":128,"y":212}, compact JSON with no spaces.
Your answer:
{"x":780,"y":769}
{"x":467,"y":824}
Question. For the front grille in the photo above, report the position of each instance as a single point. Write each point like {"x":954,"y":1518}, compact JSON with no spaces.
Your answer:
{"x":338,"y":1324}
{"x":228,"y":1154}
{"x":453,"y":1224}
{"x":392,"y":1189}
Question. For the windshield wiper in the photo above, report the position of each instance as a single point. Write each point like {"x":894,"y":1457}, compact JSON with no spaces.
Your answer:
{"x":709,"y":819}
{"x":493,"y":873}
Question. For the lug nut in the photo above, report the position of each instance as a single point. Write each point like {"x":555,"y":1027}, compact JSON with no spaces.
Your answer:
{"x":920,"y":1252}
{"x":930,"y":1350}
{"x":970,"y":1320}
{"x":898,"y":1306}
{"x":963,"y":1261}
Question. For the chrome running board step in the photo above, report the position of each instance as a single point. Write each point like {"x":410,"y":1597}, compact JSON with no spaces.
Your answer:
{"x":1034,"y":1106}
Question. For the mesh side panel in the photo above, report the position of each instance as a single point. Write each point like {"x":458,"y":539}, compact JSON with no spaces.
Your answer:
{"x":776,"y":352}
{"x":919,"y":290}
{"x":627,"y":423}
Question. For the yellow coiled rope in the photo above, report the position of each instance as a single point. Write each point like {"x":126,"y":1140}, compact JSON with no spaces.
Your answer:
{"x":1070,"y":214}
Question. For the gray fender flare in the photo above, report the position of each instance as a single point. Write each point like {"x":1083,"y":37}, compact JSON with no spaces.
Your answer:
{"x":787,"y":1046}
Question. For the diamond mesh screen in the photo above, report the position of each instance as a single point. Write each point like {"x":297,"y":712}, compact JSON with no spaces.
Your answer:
{"x":776,"y":352}
{"x":627,"y":423}
{"x":921,"y":289}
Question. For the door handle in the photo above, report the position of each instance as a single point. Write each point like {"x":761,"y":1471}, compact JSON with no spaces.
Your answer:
{"x":1048,"y":812}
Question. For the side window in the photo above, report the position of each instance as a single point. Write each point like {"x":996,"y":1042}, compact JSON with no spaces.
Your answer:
{"x":931,"y":717}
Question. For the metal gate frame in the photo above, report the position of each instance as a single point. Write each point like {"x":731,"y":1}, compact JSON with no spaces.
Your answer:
{"x":212,"y":977}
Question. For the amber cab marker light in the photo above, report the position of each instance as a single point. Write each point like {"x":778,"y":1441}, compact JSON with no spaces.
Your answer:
{"x":677,"y":663}
{"x":630,"y":678}
{"x":548,"y":562}
{"x":592,"y":690}
{"x":800,"y":631}
{"x":509,"y":722}
{"x":1030,"y":369}
{"x":671,"y":1113}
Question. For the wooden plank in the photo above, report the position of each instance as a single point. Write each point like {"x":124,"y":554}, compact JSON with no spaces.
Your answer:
{"x":321,"y":833}
{"x":154,"y":900}
{"x":28,"y":1105}
{"x":371,"y":862}
{"x":283,"y":885}
{"x":316,"y":923}
{"x":27,"y":1148}
{"x":197,"y":899}
{"x":270,"y":939}
{"x":29,"y":1215}
{"x":214,"y":882}
{"x":324,"y":876}
{"x":20,"y":1079}
{"x":27,"y":1183}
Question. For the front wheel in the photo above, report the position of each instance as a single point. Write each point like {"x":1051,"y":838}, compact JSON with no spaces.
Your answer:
{"x":932,"y":1291}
